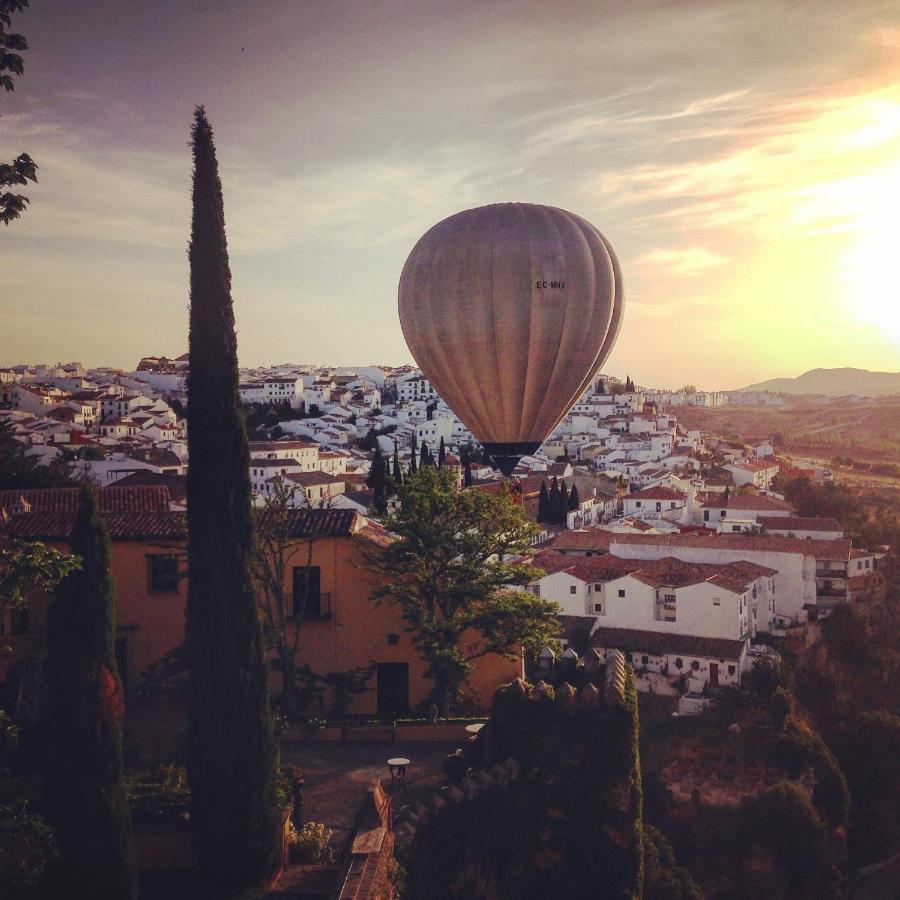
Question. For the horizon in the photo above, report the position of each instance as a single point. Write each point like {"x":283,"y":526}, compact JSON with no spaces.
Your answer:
{"x":740,"y":161}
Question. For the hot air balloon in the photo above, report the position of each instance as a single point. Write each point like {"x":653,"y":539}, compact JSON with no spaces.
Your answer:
{"x":510,"y":310}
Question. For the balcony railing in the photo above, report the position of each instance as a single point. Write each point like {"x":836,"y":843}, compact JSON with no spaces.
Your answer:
{"x":831,"y":573}
{"x":310,"y":613}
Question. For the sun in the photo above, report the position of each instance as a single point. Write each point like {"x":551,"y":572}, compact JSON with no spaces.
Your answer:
{"x":869,"y":266}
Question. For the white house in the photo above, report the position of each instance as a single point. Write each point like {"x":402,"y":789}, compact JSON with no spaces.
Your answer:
{"x":654,"y":501}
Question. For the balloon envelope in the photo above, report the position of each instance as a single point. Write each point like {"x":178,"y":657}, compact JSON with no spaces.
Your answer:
{"x":510,"y":310}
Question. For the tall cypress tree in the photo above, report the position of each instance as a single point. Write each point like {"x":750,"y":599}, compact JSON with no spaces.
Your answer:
{"x":543,"y":503}
{"x":84,"y":794}
{"x":574,"y":499}
{"x":442,"y":455}
{"x":412,"y":459}
{"x":553,"y":502}
{"x":232,"y":754}
{"x":377,"y":481}
{"x":424,"y":454}
{"x":398,"y":469}
{"x":563,"y":503}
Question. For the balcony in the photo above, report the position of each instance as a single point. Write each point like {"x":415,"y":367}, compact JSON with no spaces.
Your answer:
{"x":831,"y":573}
{"x":831,"y":592}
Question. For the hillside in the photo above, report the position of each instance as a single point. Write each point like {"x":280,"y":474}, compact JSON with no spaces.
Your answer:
{"x":834,"y":383}
{"x":867,"y":429}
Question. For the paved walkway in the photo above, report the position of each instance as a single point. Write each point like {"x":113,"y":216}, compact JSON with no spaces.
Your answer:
{"x":337,"y":776}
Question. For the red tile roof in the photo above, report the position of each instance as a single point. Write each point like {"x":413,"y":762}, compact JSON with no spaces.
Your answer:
{"x":799,"y":523}
{"x":57,"y":525}
{"x":115,"y":498}
{"x":590,"y":539}
{"x":660,"y":643}
{"x":655,"y":493}
{"x":755,"y":502}
{"x":838,"y":550}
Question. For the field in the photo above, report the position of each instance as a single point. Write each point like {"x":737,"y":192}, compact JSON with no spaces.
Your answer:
{"x":863,"y":430}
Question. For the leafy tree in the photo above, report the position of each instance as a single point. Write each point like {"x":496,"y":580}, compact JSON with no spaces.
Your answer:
{"x":449,"y":574}
{"x":277,"y":551}
{"x":21,"y":472}
{"x":23,"y":168}
{"x":84,"y":794}
{"x":232,"y":752}
{"x":28,"y":568}
{"x":377,"y":482}
{"x":664,"y":879}
{"x":868,"y":748}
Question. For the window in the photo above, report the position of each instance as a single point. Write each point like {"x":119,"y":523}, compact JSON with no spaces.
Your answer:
{"x":644,"y":660}
{"x":722,"y":513}
{"x":735,"y":527}
{"x":638,"y":504}
{"x":679,"y":663}
{"x":598,"y":608}
{"x":573,"y":589}
{"x":717,"y":601}
{"x":621,"y":592}
{"x":695,"y":665}
{"x":162,"y":573}
{"x":306,"y":585}
{"x":731,"y":670}
{"x":659,"y":507}
{"x":393,"y":639}
{"x":705,"y":515}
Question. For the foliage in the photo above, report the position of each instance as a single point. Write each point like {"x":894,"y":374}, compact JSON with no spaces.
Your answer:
{"x":310,"y":845}
{"x":448,"y":572}
{"x":664,"y":879}
{"x":276,"y":552}
{"x":159,"y":795}
{"x":27,"y":848}
{"x":28,"y":568}
{"x":83,"y":711}
{"x":766,"y":677}
{"x":23,"y":168}
{"x":378,"y":481}
{"x":868,"y":748}
{"x":343,"y":685}
{"x":795,"y":751}
{"x":21,"y":472}
{"x":569,"y":830}
{"x":780,"y":706}
{"x":232,"y":753}
{"x":166,"y":677}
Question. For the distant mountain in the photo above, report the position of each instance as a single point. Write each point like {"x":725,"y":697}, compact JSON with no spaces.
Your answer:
{"x":834,"y":383}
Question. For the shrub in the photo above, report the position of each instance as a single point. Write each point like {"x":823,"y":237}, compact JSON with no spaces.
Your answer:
{"x":160,"y":795}
{"x":309,"y":845}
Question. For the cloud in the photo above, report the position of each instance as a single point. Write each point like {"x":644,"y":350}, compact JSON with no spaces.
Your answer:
{"x":690,"y":261}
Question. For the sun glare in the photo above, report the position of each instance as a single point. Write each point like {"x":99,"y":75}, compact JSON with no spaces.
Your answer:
{"x":869,"y":267}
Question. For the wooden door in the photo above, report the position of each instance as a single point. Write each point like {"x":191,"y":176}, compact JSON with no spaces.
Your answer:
{"x":393,"y":690}
{"x":714,"y":674}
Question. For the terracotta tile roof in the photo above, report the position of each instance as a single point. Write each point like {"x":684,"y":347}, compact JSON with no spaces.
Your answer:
{"x":316,"y":523}
{"x":57,"y":525}
{"x":660,"y":643}
{"x":756,"y":501}
{"x":655,"y":493}
{"x":309,"y":479}
{"x":255,"y":446}
{"x":838,"y":550}
{"x":799,"y":523}
{"x":115,"y":498}
{"x":177,"y":484}
{"x":589,"y":539}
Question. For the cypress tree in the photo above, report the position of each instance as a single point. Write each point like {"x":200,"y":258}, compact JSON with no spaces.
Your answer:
{"x":543,"y":503}
{"x":377,"y":481}
{"x":412,"y":459}
{"x":574,"y":499}
{"x":466,"y":460}
{"x":442,"y":455}
{"x":553,"y":502}
{"x":84,"y":794}
{"x":398,"y":470}
{"x":424,"y":454}
{"x":232,"y":754}
{"x":563,"y":503}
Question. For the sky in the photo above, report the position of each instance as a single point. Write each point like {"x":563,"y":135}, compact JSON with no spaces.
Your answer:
{"x":743,"y":159}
